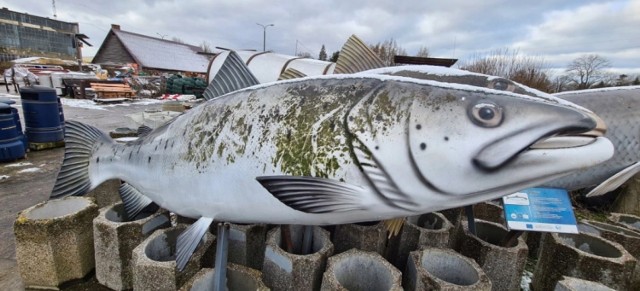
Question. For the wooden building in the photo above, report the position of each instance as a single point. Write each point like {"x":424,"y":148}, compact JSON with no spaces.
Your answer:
{"x":123,"y":47}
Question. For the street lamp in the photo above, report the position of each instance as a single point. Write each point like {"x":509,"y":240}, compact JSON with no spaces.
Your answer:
{"x":264,"y":35}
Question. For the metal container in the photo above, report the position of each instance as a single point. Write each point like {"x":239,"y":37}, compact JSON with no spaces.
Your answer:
{"x":42,"y":114}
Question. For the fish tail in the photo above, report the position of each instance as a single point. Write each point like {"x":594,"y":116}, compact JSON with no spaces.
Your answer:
{"x":80,"y":141}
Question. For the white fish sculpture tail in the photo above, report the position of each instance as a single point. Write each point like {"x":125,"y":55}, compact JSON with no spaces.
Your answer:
{"x":333,"y":150}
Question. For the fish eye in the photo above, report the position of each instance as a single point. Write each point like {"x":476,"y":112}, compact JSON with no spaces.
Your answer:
{"x":501,"y":84}
{"x":486,"y":114}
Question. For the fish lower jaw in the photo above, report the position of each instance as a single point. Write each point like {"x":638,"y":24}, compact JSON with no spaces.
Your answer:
{"x":560,"y":142}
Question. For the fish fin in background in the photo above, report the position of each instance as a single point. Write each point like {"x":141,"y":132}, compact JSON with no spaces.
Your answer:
{"x":73,"y":177}
{"x":314,"y":195}
{"x":231,"y":75}
{"x":134,"y":202}
{"x":376,"y":174}
{"x":615,"y":181}
{"x":393,"y":226}
{"x":355,"y":56}
{"x":189,"y":239}
{"x":291,"y":73}
{"x":144,"y":130}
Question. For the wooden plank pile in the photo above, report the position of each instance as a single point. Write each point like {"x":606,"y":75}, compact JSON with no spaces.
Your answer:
{"x":111,"y":90}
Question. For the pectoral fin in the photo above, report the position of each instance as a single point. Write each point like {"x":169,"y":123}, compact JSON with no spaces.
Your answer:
{"x":314,"y":195}
{"x":144,"y":130}
{"x":189,"y":239}
{"x":134,"y":202}
{"x":615,"y":181}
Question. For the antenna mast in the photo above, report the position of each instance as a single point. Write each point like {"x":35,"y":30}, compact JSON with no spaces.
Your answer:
{"x":53,"y":4}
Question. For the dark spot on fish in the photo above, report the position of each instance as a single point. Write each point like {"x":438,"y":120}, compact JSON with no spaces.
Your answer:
{"x":288,"y":134}
{"x":446,"y":138}
{"x":379,"y":117}
{"x":437,"y":108}
{"x":350,"y":118}
{"x":419,"y":127}
{"x":377,"y":147}
{"x":165,"y":144}
{"x":149,"y":160}
{"x":97,"y":159}
{"x":130,"y":155}
{"x":156,"y":148}
{"x":423,"y":146}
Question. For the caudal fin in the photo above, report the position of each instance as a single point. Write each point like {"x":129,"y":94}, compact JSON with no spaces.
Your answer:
{"x":73,"y":178}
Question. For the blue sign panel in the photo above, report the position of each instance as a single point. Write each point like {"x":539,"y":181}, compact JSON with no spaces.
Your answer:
{"x":540,"y":209}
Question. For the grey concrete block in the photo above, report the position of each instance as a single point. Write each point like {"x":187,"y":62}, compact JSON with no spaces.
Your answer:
{"x":106,"y":194}
{"x":583,"y":256}
{"x":627,"y":220}
{"x":489,"y":211}
{"x":292,"y":271}
{"x":114,"y":240}
{"x":247,"y":244}
{"x":154,"y":265}
{"x":54,"y":241}
{"x":360,"y":270}
{"x":368,"y":236}
{"x":238,"y":278}
{"x":575,"y":284}
{"x":486,"y":248}
{"x":427,"y":230}
{"x":443,"y":269}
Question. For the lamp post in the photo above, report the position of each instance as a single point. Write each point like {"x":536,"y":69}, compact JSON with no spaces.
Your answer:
{"x":264,"y":34}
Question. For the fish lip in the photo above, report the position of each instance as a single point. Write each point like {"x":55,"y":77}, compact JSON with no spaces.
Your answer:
{"x":503,"y":151}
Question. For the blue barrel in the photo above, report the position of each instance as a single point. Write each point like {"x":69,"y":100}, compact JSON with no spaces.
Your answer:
{"x":16,"y":116}
{"x":41,"y":112}
{"x":11,"y":144}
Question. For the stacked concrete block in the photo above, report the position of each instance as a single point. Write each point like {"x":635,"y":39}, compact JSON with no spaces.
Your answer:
{"x":115,"y":238}
{"x":583,"y":256}
{"x":54,"y":241}
{"x":106,"y":194}
{"x":488,"y":249}
{"x":427,"y":230}
{"x":238,"y":278}
{"x":363,"y":236}
{"x":360,"y":270}
{"x":247,"y":244}
{"x":489,"y":211}
{"x":443,"y":269}
{"x":575,"y":284}
{"x":627,"y":220}
{"x":154,"y":265}
{"x":283,"y":270}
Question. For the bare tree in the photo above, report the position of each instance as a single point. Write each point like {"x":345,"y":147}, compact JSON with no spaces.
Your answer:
{"x":510,"y":64}
{"x":423,"y":52}
{"x":177,"y":39}
{"x":561,"y":83}
{"x":206,"y":47}
{"x":387,"y":50}
{"x":304,"y":54}
{"x":587,"y":70}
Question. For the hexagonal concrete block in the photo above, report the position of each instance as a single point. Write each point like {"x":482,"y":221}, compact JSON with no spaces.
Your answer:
{"x":443,"y":269}
{"x":575,"y":284}
{"x":247,"y":244}
{"x":360,"y":270}
{"x":427,"y":230}
{"x":583,"y":256}
{"x":115,"y":240}
{"x":238,"y":278}
{"x":489,"y":211}
{"x":54,"y":241}
{"x":106,"y":194}
{"x":366,"y":236}
{"x":486,"y":248}
{"x":627,"y":220}
{"x":154,"y":264}
{"x":293,"y":271}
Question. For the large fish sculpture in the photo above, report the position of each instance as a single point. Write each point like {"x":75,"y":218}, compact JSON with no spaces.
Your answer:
{"x":334,"y":150}
{"x":619,"y":107}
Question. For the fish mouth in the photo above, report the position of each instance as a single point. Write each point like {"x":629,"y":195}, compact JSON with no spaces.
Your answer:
{"x":577,"y":133}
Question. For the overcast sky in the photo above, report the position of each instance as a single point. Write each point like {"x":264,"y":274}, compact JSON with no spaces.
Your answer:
{"x":557,"y":31}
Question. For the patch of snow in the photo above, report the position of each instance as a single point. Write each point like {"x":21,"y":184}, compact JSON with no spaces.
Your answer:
{"x":81,"y":103}
{"x":21,"y":164}
{"x":4,"y":177}
{"x":525,"y":280}
{"x":598,"y":90}
{"x":30,"y":170}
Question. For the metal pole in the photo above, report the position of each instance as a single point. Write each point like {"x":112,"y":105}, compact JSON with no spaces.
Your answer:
{"x":222,"y":250}
{"x":264,"y":35}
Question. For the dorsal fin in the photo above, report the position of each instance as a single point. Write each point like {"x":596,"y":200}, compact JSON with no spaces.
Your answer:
{"x":229,"y":74}
{"x":355,"y":56}
{"x":291,"y":73}
{"x":144,"y":130}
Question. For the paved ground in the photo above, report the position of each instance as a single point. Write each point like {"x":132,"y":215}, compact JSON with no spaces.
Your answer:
{"x":23,"y":189}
